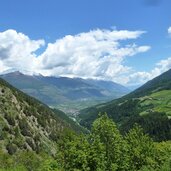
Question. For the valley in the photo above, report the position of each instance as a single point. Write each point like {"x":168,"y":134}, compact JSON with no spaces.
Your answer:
{"x":67,"y":94}
{"x":31,"y":128}
{"x":85,"y":85}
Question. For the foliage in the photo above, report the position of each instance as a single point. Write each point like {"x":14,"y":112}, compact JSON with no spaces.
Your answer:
{"x":106,"y":131}
{"x":74,"y":152}
{"x":105,"y":149}
{"x":141,"y":149}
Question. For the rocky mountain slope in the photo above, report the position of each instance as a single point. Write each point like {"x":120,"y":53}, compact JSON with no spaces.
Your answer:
{"x":26,"y":123}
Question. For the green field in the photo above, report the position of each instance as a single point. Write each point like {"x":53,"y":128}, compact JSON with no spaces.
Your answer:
{"x":159,"y":102}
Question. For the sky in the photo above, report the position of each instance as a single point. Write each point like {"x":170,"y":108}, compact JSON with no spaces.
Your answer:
{"x":125,"y":41}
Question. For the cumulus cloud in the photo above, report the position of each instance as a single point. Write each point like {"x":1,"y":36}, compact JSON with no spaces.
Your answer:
{"x":96,"y":54}
{"x":17,"y":50}
{"x":142,"y":77}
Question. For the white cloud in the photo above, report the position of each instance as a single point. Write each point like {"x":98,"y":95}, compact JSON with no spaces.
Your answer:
{"x":17,"y":50}
{"x":142,"y":77}
{"x":97,"y":54}
{"x":2,"y":67}
{"x":169,"y":31}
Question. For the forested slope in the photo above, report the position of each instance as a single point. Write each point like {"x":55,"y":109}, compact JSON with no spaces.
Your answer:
{"x":149,"y":106}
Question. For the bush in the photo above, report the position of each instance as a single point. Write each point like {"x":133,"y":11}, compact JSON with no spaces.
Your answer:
{"x":11,"y":148}
{"x":2,"y":90}
{"x":25,"y":128}
{"x":10,"y":118}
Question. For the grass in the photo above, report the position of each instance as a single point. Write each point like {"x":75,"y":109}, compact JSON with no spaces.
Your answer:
{"x":159,"y":102}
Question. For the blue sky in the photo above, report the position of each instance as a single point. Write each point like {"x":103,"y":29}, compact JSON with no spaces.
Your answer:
{"x":52,"y":20}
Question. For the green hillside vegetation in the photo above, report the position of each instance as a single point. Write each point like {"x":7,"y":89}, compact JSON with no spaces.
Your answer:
{"x":27,"y":124}
{"x":159,"y":102}
{"x":149,"y":106}
{"x":104,"y":149}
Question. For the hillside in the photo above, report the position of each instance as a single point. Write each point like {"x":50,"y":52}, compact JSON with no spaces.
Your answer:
{"x":149,"y":106}
{"x":35,"y":138}
{"x":28,"y":124}
{"x":66,"y":94}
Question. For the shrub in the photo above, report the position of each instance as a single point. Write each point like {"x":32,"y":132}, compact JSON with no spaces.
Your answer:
{"x":11,"y":148}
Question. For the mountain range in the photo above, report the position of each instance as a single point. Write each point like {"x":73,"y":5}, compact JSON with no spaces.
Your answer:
{"x":149,"y":106}
{"x":67,"y":94}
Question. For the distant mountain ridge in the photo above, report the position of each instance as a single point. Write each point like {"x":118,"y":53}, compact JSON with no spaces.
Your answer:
{"x":55,"y":91}
{"x":149,"y":106}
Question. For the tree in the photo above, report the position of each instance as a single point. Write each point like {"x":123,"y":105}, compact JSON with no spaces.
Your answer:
{"x":97,"y":159}
{"x":141,"y":149}
{"x":74,"y":152}
{"x":29,"y":159}
{"x":106,"y":136}
{"x":49,"y":165}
